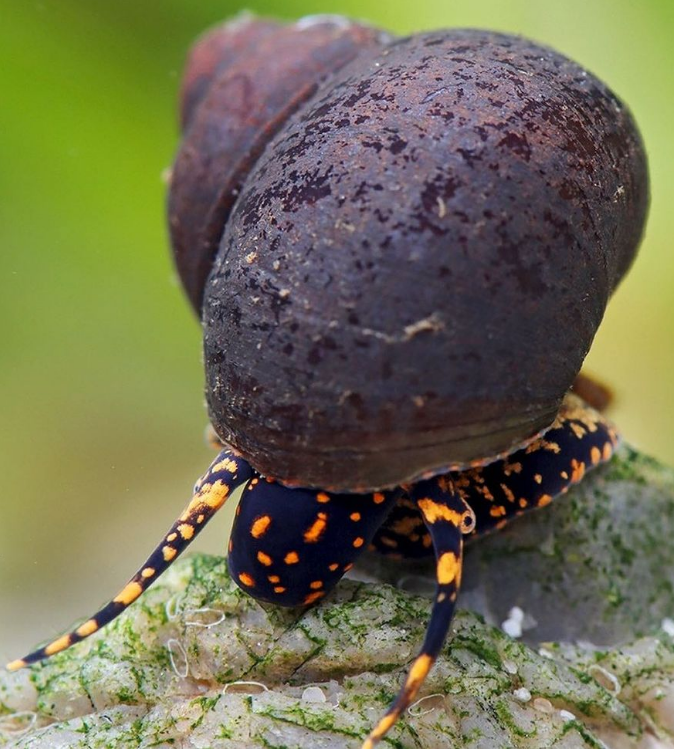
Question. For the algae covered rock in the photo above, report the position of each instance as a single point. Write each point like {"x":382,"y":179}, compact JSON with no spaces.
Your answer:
{"x":196,"y":663}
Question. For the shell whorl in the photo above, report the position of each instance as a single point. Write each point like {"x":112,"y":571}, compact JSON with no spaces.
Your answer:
{"x":243,"y":80}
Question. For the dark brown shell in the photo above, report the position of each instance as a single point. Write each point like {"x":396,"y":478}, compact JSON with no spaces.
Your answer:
{"x":418,"y":261}
{"x":243,"y":80}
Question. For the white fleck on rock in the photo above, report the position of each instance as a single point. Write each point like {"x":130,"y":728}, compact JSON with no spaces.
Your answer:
{"x":510,"y":667}
{"x":313,"y":694}
{"x":522,"y":694}
{"x":512,"y":626}
{"x":667,"y":626}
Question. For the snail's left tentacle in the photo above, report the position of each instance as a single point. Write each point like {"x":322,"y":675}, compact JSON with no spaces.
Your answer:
{"x":210,"y":493}
{"x":291,"y":546}
{"x":447,"y":518}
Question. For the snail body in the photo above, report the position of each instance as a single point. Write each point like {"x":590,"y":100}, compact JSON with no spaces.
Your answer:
{"x":400,"y":250}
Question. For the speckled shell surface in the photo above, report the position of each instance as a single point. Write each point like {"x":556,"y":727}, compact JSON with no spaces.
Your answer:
{"x":243,"y":80}
{"x":418,"y":261}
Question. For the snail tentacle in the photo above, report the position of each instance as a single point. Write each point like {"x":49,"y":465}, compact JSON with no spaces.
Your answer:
{"x":210,"y":493}
{"x":447,"y":518}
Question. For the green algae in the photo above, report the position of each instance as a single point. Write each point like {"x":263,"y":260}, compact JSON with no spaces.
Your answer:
{"x":125,"y":687}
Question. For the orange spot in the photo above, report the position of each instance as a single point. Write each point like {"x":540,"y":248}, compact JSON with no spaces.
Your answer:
{"x":578,"y":430}
{"x":246,"y":579}
{"x":292,"y":557}
{"x":358,"y":542}
{"x":497,"y":511}
{"x":508,"y":493}
{"x":355,"y":516}
{"x":595,"y":455}
{"x":169,"y":553}
{"x":607,"y":452}
{"x":333,"y":567}
{"x":433,"y":511}
{"x":263,"y":558}
{"x":148,"y":572}
{"x":322,"y":497}
{"x":316,"y":584}
{"x":58,"y":645}
{"x":186,"y":531}
{"x":484,"y":491}
{"x":260,"y":526}
{"x":129,"y":593}
{"x":419,"y":671}
{"x":230,"y":546}
{"x":405,"y":526}
{"x":448,"y":568}
{"x":578,"y":471}
{"x":390,"y":542}
{"x":348,"y":567}
{"x":378,"y":498}
{"x":172,"y":537}
{"x":313,"y":597}
{"x":228,"y":464}
{"x":279,"y":589}
{"x":274,"y":579}
{"x":316,"y":529}
{"x":523,"y":503}
{"x":88,"y":628}
{"x":544,"y":500}
{"x":510,"y":468}
{"x":16,"y":665}
{"x":380,"y":730}
{"x":212,"y":495}
{"x":538,"y":478}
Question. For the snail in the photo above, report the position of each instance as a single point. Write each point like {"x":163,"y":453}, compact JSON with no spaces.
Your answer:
{"x":400,"y":250}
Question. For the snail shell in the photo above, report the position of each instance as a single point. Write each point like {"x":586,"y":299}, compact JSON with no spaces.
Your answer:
{"x":418,"y":259}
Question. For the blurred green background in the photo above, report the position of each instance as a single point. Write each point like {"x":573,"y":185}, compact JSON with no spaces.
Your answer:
{"x":101,"y":406}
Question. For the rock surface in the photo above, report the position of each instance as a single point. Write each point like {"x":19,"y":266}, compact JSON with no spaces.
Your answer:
{"x":197,"y":664}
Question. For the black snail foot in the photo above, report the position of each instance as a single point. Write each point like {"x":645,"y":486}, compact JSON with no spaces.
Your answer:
{"x":197,"y":658}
